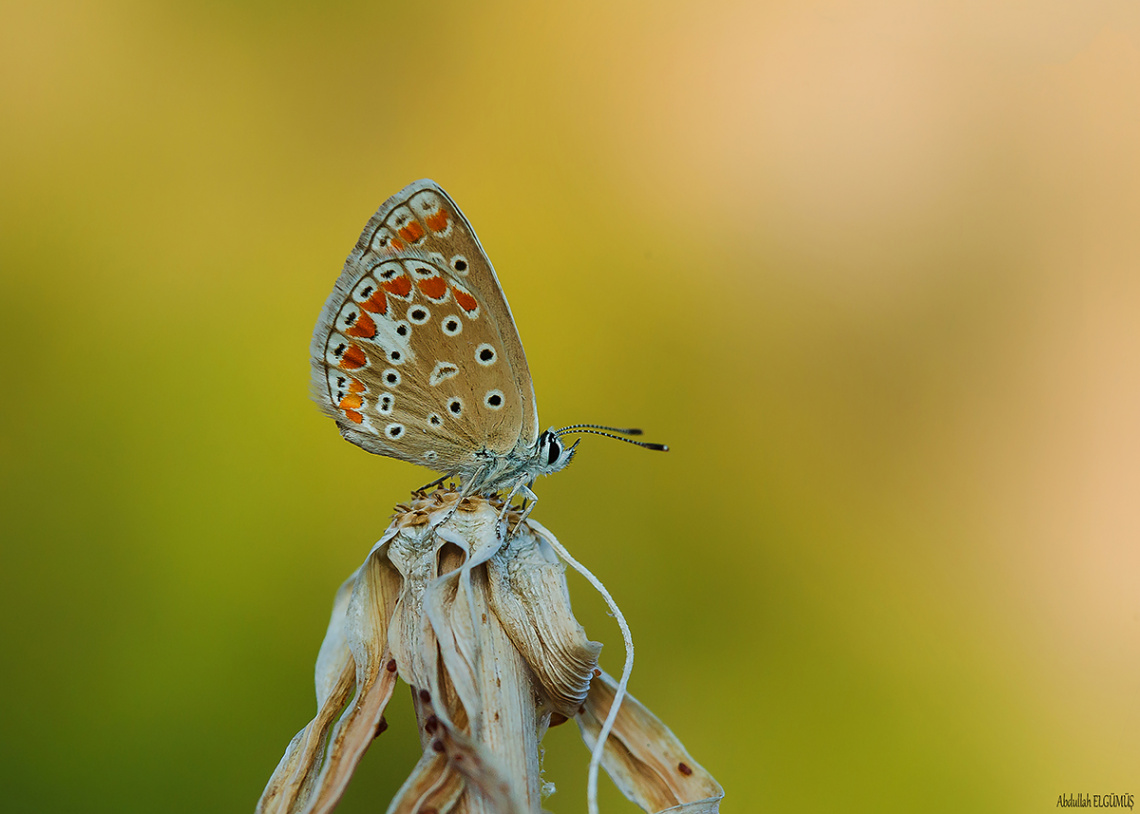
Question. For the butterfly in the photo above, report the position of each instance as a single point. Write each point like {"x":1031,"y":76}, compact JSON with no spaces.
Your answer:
{"x":416,"y":355}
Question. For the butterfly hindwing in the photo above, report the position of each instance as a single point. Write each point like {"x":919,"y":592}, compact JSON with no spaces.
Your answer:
{"x":415,"y":354}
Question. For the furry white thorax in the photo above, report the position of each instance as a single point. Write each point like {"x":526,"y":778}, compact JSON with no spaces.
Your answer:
{"x":518,"y":468}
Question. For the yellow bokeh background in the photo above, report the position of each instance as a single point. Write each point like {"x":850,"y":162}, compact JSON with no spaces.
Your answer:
{"x":871,"y":269}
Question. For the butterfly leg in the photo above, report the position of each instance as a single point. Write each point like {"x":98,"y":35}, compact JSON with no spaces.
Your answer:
{"x":467,"y":488}
{"x":434,"y":483}
{"x":529,"y":501}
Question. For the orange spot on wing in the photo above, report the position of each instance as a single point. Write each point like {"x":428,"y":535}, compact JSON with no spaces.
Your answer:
{"x":412,"y":232}
{"x":353,"y":358}
{"x":355,"y":385}
{"x":350,"y":402}
{"x":396,"y":245}
{"x":434,"y":288}
{"x":377,"y":303}
{"x":400,"y":286}
{"x":363,"y":327}
{"x":354,"y":417}
{"x":465,"y":300}
{"x":438,"y":221}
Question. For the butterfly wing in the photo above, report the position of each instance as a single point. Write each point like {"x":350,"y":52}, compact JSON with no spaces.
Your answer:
{"x":415,"y":354}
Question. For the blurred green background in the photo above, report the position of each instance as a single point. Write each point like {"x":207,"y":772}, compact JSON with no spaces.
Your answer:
{"x":872,"y":270}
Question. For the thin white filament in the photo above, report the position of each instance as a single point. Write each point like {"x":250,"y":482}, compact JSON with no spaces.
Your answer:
{"x":619,"y":694}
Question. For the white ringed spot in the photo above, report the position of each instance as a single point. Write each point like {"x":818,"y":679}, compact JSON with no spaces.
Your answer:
{"x":455,"y":406}
{"x":459,"y":264}
{"x":396,"y":357}
{"x":391,"y":377}
{"x":494,"y":400}
{"x":435,"y":420}
{"x":485,"y":354}
{"x":451,"y":325}
{"x":385,"y":404}
{"x":394,"y":430}
{"x":418,"y":315}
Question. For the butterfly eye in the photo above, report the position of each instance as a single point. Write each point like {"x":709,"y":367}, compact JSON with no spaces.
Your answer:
{"x":451,"y":326}
{"x":459,"y":263}
{"x":485,"y":354}
{"x":493,"y":400}
{"x":455,"y":406}
{"x":418,"y":315}
{"x":554,"y":451}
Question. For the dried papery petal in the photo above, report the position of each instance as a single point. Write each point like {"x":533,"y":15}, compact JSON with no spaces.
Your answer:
{"x":433,"y":785}
{"x":484,"y":679}
{"x":315,"y":770}
{"x":644,"y":758}
{"x":334,"y":655}
{"x":529,"y":595}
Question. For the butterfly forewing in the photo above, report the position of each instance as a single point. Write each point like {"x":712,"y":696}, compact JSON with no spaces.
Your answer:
{"x":415,"y":354}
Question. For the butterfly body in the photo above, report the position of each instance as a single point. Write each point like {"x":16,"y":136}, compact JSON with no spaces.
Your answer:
{"x":416,"y":355}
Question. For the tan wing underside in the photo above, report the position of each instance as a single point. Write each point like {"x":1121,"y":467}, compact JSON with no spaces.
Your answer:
{"x":419,"y":298}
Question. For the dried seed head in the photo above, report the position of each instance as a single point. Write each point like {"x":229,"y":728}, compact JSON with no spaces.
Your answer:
{"x":468,"y":604}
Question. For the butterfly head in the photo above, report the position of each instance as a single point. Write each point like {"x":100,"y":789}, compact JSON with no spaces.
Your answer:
{"x":552,"y":453}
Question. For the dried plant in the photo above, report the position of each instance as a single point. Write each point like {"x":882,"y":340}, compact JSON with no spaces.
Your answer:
{"x":470,"y":607}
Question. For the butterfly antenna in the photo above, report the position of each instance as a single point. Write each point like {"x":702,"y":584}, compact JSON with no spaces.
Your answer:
{"x":582,"y":428}
{"x":618,"y":430}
